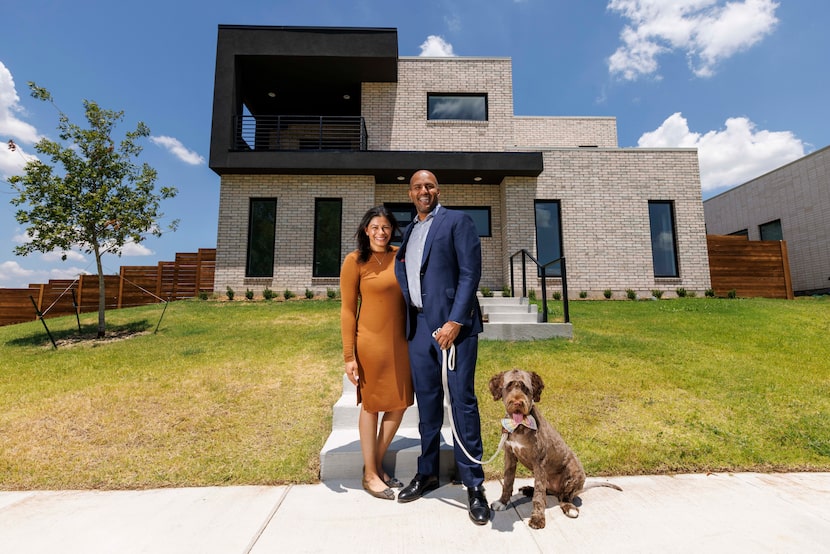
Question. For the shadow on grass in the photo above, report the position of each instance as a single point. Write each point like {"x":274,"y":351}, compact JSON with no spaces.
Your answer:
{"x":88,"y":333}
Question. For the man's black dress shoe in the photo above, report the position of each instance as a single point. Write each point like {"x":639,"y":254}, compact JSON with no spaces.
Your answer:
{"x":420,"y":485}
{"x":479,"y":509}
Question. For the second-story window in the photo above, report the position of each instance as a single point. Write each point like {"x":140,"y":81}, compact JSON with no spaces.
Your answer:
{"x":462,"y":107}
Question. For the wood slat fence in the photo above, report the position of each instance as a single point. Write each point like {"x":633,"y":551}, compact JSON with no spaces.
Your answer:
{"x":758,"y":268}
{"x":186,"y":277}
{"x":751,"y":268}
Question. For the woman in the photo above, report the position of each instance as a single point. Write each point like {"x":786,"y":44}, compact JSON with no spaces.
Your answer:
{"x":372,"y":320}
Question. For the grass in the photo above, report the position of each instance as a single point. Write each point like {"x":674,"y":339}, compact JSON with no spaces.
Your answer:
{"x":242,"y":392}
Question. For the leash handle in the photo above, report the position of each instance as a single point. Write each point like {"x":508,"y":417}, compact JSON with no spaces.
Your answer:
{"x":448,"y":364}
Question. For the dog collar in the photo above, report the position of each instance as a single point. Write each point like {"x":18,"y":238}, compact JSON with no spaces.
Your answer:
{"x":510,"y":424}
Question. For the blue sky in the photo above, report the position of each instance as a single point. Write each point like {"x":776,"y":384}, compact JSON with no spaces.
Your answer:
{"x":743,"y":81}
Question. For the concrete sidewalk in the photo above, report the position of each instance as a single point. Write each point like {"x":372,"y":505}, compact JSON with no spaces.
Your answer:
{"x":746,"y":512}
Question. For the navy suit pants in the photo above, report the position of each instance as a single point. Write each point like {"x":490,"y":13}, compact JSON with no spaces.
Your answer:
{"x":425,"y":359}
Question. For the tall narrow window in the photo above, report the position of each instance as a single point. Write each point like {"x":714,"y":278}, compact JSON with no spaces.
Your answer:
{"x":327,"y":224}
{"x":464,"y":107}
{"x":549,"y":237}
{"x":262,"y":227}
{"x":663,"y":243}
{"x":771,"y":230}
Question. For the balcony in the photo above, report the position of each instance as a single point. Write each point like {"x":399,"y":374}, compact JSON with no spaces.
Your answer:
{"x":279,"y":133}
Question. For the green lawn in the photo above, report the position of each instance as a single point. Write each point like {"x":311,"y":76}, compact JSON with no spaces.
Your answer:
{"x":242,"y":392}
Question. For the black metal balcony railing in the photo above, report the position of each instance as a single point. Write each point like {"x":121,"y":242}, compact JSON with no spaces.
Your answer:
{"x":299,"y":132}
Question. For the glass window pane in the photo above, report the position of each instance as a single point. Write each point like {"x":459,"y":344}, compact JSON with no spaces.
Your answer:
{"x":663,"y":246}
{"x":262,"y":220}
{"x":549,"y":236}
{"x":771,"y":230}
{"x":327,"y":224}
{"x":456,"y":106}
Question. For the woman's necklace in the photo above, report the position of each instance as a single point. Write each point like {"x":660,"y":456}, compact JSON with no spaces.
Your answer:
{"x":380,"y":261}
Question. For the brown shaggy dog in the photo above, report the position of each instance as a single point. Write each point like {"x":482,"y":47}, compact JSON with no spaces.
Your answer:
{"x":556,"y":469}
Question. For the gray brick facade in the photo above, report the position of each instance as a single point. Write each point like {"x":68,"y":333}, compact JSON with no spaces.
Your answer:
{"x":603,"y":190}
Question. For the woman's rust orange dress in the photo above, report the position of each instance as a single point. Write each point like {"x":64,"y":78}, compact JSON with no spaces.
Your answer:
{"x":373,"y":328}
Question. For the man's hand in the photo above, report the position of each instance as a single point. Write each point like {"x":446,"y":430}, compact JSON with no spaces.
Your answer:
{"x":447,"y":334}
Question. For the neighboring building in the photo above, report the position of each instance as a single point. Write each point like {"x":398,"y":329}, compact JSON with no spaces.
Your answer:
{"x":312,"y":126}
{"x":791,"y":203}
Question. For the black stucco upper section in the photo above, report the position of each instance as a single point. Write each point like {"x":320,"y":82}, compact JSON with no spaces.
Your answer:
{"x":318,"y":71}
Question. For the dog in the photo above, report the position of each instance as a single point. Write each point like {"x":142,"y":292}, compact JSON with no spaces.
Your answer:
{"x":538,"y":446}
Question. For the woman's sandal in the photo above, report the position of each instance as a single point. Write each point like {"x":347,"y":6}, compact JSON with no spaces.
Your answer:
{"x":385,"y":494}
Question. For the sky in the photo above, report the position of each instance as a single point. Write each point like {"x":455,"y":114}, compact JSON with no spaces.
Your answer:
{"x":743,"y":81}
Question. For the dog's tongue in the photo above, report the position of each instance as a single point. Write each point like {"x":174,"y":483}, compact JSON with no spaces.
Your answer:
{"x":518,"y":417}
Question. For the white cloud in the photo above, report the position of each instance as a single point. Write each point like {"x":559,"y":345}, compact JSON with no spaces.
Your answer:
{"x":729,"y":156}
{"x":436,"y":47}
{"x":13,"y":128}
{"x":12,"y":274}
{"x":133,"y":249}
{"x":707,"y":31}
{"x":175,"y":147}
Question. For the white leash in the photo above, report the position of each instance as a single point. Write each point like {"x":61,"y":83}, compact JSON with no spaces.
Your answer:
{"x":448,"y":364}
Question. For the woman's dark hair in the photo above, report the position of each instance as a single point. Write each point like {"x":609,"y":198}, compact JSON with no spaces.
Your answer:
{"x":363,"y":247}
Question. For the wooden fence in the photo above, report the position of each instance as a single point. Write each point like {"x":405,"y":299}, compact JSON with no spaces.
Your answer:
{"x":186,"y":277}
{"x":750,"y":268}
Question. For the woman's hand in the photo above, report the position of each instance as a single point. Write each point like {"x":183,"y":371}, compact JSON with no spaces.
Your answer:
{"x":351,"y":372}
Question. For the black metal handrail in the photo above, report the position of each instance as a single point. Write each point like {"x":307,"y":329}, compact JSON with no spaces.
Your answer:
{"x":299,"y":132}
{"x":543,"y":270}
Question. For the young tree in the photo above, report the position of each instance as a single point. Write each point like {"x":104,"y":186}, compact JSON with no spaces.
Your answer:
{"x":93,"y":196}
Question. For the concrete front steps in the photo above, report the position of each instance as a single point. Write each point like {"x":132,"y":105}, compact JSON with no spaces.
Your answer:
{"x":341,"y":457}
{"x":514,"y":318}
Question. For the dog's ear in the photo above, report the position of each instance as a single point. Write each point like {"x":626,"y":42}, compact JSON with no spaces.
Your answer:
{"x":538,"y":385}
{"x":495,"y":385}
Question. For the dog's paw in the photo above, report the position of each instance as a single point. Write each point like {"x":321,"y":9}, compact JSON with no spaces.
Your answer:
{"x":570,"y":510}
{"x":499,"y":506}
{"x":537,"y":522}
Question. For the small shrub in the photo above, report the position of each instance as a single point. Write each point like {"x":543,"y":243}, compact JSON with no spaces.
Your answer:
{"x":331,"y":294}
{"x":486,"y":292}
{"x":658,"y":294}
{"x":531,"y":296}
{"x":288,"y":294}
{"x":583,"y":294}
{"x":681,"y":292}
{"x":732,"y":294}
{"x":607,"y":293}
{"x":309,"y":294}
{"x":557,"y":295}
{"x":505,"y":291}
{"x":229,"y":293}
{"x":631,"y":294}
{"x":710,"y":293}
{"x":268,"y":294}
{"x":203,"y":295}
{"x":249,"y":294}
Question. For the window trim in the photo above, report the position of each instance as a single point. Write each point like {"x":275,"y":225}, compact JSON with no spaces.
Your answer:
{"x":249,"y":254}
{"x":315,"y":271}
{"x":554,"y":271}
{"x":435,"y":95}
{"x":675,"y":254}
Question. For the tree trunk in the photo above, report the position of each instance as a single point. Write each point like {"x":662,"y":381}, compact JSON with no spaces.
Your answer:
{"x":102,"y":296}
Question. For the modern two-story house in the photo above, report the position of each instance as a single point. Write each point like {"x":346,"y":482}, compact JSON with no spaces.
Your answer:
{"x":312,"y":126}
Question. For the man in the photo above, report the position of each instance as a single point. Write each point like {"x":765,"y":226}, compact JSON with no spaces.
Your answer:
{"x":438,"y":267}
